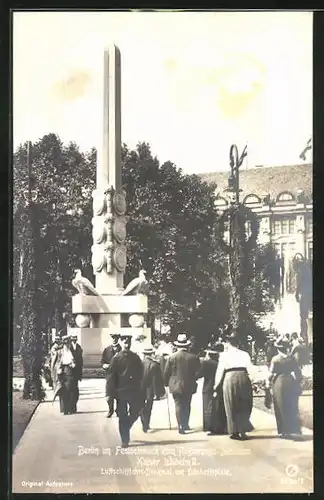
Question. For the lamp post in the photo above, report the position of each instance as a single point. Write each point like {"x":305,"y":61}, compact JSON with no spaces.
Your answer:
{"x":239,"y":246}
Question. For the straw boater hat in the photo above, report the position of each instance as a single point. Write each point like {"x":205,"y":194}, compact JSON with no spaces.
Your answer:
{"x":74,"y":337}
{"x":148,"y":350}
{"x":182,"y":341}
{"x":66,"y":338}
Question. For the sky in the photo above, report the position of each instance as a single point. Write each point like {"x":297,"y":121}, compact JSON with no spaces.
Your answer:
{"x":193,"y":83}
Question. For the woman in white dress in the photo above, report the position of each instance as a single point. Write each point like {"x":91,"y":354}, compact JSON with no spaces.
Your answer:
{"x":233,"y":375}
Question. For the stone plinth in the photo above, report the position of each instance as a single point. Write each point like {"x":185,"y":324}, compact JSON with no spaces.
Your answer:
{"x":94,"y":340}
{"x":109,"y":304}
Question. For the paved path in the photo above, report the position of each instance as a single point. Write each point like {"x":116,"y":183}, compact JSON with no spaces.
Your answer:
{"x":81,"y":454}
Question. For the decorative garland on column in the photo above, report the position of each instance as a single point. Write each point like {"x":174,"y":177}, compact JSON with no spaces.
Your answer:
{"x":238,"y":252}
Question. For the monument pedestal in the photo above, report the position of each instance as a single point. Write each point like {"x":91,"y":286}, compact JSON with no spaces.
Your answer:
{"x":109,"y":314}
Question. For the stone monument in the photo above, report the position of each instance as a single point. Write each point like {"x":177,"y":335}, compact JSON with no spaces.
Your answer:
{"x":98,"y":316}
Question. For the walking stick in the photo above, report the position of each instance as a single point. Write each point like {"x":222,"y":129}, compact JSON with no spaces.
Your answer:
{"x":167,"y":393}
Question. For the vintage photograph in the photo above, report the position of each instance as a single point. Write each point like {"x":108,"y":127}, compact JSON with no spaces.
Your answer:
{"x":162,"y":252}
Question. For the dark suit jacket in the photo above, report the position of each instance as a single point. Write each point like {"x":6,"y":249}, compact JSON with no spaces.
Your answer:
{"x":152,"y":381}
{"x":125,"y":374}
{"x":107,"y":355}
{"x":181,"y":372}
{"x":78,"y":357}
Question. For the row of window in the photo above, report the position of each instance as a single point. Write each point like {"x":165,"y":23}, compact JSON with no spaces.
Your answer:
{"x":284,"y":226}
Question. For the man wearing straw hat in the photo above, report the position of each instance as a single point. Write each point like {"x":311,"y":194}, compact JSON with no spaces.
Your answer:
{"x":180,"y":374}
{"x":152,"y":385}
{"x":126,"y":372}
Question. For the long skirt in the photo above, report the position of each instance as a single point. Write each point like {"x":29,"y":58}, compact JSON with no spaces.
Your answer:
{"x":238,"y":401}
{"x":214,"y":417}
{"x":285,"y":402}
{"x":68,"y":390}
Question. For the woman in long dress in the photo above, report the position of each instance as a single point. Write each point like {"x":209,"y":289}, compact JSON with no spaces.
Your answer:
{"x":285,"y":376}
{"x":233,"y":369}
{"x":214,"y":418}
{"x":55,"y":358}
{"x":67,"y":386}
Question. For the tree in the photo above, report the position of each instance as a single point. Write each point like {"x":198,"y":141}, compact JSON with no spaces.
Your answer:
{"x":31,"y":341}
{"x":171,"y":233}
{"x":63,"y":212}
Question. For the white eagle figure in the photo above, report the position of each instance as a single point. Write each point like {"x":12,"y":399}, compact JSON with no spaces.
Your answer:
{"x":82,"y":284}
{"x":138,"y":286}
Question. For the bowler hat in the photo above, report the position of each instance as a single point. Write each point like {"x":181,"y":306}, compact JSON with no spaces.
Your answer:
{"x":115,"y":335}
{"x":182,"y":341}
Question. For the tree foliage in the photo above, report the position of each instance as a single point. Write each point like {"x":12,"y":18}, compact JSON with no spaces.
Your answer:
{"x":172,"y":231}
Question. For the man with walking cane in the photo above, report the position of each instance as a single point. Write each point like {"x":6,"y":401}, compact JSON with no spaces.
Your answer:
{"x":152,"y":385}
{"x":180,"y":374}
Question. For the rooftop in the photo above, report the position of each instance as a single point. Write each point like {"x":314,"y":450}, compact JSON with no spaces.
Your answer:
{"x":267,"y":180}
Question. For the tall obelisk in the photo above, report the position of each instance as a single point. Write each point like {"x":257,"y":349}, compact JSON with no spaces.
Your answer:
{"x":109,"y":202}
{"x":98,"y":317}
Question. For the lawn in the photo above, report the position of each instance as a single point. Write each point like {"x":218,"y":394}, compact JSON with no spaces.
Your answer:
{"x":22,"y":411}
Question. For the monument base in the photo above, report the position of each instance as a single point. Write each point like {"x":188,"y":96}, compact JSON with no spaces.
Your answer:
{"x":94,"y":340}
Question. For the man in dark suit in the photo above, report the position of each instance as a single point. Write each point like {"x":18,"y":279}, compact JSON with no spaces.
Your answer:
{"x":107,"y":355}
{"x":152,"y":385}
{"x":126,"y":372}
{"x":180,"y":374}
{"x":77,"y":352}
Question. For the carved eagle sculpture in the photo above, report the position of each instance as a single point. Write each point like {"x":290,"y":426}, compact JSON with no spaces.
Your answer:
{"x":138,"y":286}
{"x":83,"y":285}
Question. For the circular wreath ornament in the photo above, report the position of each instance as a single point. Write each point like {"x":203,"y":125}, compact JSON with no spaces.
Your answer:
{"x":99,"y":232}
{"x":119,"y":230}
{"x":99,"y":203}
{"x":120,"y":259}
{"x":248,"y":216}
{"x":119,"y":202}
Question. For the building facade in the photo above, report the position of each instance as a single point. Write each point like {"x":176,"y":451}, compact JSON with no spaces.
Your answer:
{"x":281,"y":197}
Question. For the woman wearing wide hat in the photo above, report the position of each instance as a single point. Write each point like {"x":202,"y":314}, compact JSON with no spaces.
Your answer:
{"x":285,"y":377}
{"x":233,"y":376}
{"x":214,"y":417}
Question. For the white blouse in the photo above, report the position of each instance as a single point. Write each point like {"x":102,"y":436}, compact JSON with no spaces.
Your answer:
{"x":67,"y":356}
{"x":233,"y":358}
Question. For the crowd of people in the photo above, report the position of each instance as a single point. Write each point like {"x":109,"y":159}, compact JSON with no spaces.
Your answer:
{"x":133,"y":382}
